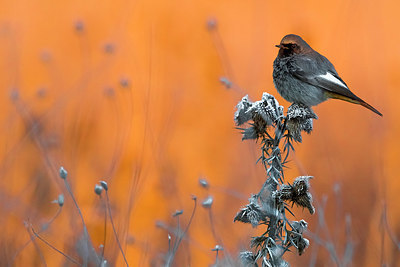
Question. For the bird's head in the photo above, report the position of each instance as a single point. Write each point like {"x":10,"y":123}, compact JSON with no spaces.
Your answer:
{"x":291,"y":45}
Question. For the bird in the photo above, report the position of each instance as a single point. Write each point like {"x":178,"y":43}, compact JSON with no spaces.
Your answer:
{"x":302,"y":75}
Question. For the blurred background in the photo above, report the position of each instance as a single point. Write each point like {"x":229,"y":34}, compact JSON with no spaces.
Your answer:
{"x":129,"y":92}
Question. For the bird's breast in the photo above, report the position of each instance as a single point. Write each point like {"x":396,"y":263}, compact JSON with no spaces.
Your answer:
{"x":293,"y":89}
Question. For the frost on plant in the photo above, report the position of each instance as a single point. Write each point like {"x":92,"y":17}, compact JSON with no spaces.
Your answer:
{"x":265,"y":121}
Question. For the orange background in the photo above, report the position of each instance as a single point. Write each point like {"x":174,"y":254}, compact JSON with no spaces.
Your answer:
{"x":133,"y":97}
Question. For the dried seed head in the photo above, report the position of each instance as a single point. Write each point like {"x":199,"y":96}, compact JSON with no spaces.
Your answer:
{"x":242,"y":113}
{"x":299,"y":118}
{"x":263,"y":113}
{"x":302,"y":245}
{"x":247,"y":258}
{"x":268,"y":109}
{"x":251,"y":213}
{"x":299,"y":226}
{"x":297,"y":193}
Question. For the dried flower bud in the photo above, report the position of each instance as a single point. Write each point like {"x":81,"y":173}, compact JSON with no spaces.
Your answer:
{"x":299,"y":226}
{"x":63,"y":173}
{"x":203,"y":182}
{"x":242,"y":113}
{"x":98,"y":189}
{"x":217,"y":248}
{"x":177,"y":213}
{"x":207,"y":203}
{"x":59,"y":200}
{"x":104,"y":185}
{"x":226,"y":82}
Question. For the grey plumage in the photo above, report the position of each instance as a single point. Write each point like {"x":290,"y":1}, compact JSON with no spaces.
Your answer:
{"x":302,"y":75}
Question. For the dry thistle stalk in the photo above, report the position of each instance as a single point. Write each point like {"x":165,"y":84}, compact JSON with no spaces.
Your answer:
{"x":277,"y":133}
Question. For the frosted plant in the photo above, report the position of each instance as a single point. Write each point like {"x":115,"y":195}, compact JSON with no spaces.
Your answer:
{"x":266,"y":122}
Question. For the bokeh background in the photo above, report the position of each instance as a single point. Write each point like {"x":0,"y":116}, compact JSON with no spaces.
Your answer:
{"x":129,"y":92}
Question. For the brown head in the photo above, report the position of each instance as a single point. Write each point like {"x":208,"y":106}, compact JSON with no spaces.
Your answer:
{"x":292,"y":44}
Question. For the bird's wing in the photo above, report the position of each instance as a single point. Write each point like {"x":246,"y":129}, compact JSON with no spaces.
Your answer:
{"x":320,"y":72}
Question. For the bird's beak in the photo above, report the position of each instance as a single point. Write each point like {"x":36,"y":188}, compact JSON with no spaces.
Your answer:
{"x":279,"y":46}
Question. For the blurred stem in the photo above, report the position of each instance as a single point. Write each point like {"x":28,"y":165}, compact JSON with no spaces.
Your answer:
{"x":113,"y":227}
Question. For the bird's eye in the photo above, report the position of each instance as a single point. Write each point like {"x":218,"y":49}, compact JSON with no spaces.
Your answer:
{"x":293,"y":46}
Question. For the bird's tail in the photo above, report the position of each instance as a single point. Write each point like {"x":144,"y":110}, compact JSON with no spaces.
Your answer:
{"x":355,"y":100}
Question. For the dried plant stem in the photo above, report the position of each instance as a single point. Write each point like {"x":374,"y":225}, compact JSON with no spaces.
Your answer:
{"x":36,"y":245}
{"x":113,"y":227}
{"x":54,"y":248}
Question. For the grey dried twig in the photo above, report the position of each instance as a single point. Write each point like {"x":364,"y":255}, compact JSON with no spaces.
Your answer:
{"x":266,"y":122}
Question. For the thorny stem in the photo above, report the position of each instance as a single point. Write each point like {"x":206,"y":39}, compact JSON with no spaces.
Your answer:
{"x":276,"y":132}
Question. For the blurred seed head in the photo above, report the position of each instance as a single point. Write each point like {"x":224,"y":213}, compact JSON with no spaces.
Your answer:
{"x":124,"y":82}
{"x":98,"y":189}
{"x":63,"y":173}
{"x":45,"y":56}
{"x":109,"y":91}
{"x":217,"y":248}
{"x":79,"y":26}
{"x":14,"y":94}
{"x":226,"y":82}
{"x":247,"y":258}
{"x":211,"y":23}
{"x":59,"y":200}
{"x":104,"y":185}
{"x":109,"y":48}
{"x":177,"y":213}
{"x":203,"y":183}
{"x":207,"y":203}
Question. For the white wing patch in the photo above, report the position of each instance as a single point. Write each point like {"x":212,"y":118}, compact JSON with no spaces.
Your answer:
{"x":329,"y":77}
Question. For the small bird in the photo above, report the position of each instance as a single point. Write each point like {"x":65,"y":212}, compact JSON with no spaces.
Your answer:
{"x":302,"y":75}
